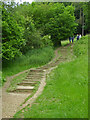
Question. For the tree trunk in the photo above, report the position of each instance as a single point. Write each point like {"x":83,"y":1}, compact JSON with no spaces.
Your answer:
{"x":80,"y":20}
{"x":60,"y":43}
{"x":83,"y":25}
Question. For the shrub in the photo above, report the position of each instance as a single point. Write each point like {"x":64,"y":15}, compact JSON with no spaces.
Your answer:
{"x":12,"y":35}
{"x":81,"y":46}
{"x":46,"y":41}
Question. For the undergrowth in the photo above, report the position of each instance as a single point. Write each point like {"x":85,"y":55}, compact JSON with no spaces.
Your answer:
{"x":33,"y":58}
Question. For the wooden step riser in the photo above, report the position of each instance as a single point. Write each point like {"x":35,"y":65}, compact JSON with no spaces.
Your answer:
{"x":37,"y":70}
{"x":22,"y":91}
{"x":39,"y":77}
{"x":35,"y":73}
{"x":45,"y":68}
{"x":27,"y":84}
{"x":30,"y":80}
{"x":34,"y":76}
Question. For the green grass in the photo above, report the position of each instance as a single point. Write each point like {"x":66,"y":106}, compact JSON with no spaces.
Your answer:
{"x":66,"y":92}
{"x":65,"y":42}
{"x":33,"y":58}
{"x":33,"y":92}
{"x":81,"y":46}
{"x":18,"y":79}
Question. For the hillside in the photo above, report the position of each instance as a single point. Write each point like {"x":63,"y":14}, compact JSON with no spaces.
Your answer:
{"x":66,"y":91}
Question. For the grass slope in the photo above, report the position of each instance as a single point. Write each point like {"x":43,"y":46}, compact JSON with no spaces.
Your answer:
{"x":33,"y":58}
{"x":18,"y":79}
{"x":66,"y":92}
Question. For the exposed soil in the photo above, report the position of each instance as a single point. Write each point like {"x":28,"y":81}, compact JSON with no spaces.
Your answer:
{"x":11,"y":101}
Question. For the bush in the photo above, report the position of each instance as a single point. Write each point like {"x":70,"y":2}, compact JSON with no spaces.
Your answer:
{"x":33,"y":58}
{"x":81,"y":46}
{"x":46,"y":41}
{"x":12,"y":34}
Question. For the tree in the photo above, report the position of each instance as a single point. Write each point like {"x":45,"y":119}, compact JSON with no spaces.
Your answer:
{"x":81,"y":14}
{"x":12,"y":34}
{"x":61,"y":26}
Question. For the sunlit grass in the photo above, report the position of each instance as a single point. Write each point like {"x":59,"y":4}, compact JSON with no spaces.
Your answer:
{"x":66,"y":92}
{"x":33,"y":58}
{"x":18,"y":79}
{"x":65,"y":42}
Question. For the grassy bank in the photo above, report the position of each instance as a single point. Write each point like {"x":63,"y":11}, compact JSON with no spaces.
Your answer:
{"x":18,"y":79}
{"x":33,"y":58}
{"x":66,"y":92}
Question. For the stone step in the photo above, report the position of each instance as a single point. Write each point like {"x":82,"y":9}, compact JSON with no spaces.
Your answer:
{"x":37,"y":73}
{"x":20,"y":91}
{"x":31,"y":80}
{"x":25,"y":87}
{"x":34,"y":77}
{"x":26,"y":83}
{"x":17,"y":93}
{"x":45,"y":67}
{"x":57,"y":62}
{"x":53,"y":65}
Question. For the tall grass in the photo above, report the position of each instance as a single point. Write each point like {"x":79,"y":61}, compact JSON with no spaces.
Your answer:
{"x":66,"y":92}
{"x":81,"y":46}
{"x":33,"y":58}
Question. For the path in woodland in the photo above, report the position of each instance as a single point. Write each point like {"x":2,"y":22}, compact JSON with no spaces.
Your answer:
{"x":11,"y":101}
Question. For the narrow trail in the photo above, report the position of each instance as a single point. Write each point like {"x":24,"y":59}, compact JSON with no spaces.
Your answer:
{"x":11,"y":101}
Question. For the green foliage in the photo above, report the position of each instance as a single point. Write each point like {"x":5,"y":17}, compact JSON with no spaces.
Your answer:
{"x":46,"y":41}
{"x":31,"y":35}
{"x":62,"y":25}
{"x":12,"y":35}
{"x":33,"y":58}
{"x":2,"y":79}
{"x":51,"y":18}
{"x":26,"y":26}
{"x":82,"y":9}
{"x":66,"y":92}
{"x":85,"y":7}
{"x":81,"y":46}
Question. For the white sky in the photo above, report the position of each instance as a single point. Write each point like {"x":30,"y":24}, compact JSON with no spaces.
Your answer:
{"x":21,"y":1}
{"x":30,"y":1}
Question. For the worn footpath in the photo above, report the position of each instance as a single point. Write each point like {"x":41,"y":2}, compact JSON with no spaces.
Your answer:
{"x":11,"y":101}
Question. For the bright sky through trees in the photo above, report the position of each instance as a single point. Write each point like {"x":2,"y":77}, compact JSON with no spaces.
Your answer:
{"x":18,"y":1}
{"x":21,"y":1}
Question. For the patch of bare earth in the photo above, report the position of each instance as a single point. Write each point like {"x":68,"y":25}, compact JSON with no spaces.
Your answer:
{"x":11,"y":101}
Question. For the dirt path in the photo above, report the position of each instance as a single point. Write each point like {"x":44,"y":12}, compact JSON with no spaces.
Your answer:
{"x":11,"y":101}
